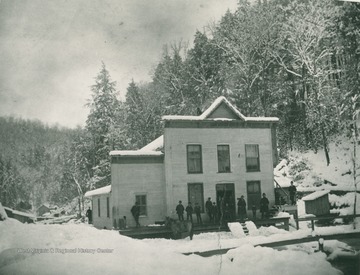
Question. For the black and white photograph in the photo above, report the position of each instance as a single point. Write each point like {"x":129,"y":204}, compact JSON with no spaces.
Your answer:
{"x":164,"y":137}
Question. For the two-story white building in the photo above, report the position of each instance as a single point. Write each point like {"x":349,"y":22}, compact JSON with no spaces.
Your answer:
{"x":220,"y":153}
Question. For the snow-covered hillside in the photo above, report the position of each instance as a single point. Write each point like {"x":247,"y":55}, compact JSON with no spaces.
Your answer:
{"x":310,"y":172}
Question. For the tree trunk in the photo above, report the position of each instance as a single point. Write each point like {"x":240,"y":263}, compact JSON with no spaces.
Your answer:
{"x":325,"y":145}
{"x":322,"y":128}
{"x":355,"y":167}
{"x":80,"y":194}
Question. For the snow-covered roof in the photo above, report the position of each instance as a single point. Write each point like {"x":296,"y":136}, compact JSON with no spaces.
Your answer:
{"x":155,"y":145}
{"x":20,"y":213}
{"x":315,"y":195}
{"x":216,"y":104}
{"x":178,"y":117}
{"x":136,"y":153}
{"x":262,"y":118}
{"x":45,"y":205}
{"x":99,"y":191}
{"x":151,"y":149}
{"x":212,"y":108}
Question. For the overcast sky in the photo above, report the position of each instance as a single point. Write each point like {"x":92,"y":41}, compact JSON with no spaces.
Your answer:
{"x":50,"y":51}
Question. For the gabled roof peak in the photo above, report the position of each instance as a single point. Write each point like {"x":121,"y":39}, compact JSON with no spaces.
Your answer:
{"x":216,"y":104}
{"x":216,"y":111}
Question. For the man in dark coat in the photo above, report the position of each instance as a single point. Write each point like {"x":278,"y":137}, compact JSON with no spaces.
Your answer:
{"x":264,"y":206}
{"x":189,"y":211}
{"x":241,"y":208}
{"x":180,"y":211}
{"x":208,"y":207}
{"x":135,"y":211}
{"x":197,"y":210}
{"x":292,"y":191}
{"x":89,"y":215}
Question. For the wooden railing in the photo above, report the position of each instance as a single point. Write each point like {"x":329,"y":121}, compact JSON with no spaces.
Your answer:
{"x":284,"y":221}
{"x":313,"y":219}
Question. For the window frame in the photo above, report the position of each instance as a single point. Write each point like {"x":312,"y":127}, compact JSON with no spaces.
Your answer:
{"x":247,"y":159}
{"x":193,"y":201}
{"x":251,"y":195}
{"x":188,"y":159}
{"x":228,"y":158}
{"x":143,"y":207}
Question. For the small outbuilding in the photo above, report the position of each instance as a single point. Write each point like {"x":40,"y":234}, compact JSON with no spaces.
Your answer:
{"x":20,"y":216}
{"x":100,"y":205}
{"x":43,"y":209}
{"x":317,"y":203}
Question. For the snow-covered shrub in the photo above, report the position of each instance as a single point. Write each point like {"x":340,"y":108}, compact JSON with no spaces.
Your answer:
{"x":297,"y":165}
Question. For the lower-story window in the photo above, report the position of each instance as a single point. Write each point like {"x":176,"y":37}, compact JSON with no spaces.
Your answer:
{"x":196,"y":194}
{"x":141,"y":200}
{"x":253,"y":194}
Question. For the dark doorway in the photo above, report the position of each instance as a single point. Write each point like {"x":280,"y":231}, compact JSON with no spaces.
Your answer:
{"x":226,"y":191}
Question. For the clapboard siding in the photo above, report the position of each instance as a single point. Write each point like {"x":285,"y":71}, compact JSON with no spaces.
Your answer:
{"x":177,"y":176}
{"x":103,"y":220}
{"x":129,"y":180}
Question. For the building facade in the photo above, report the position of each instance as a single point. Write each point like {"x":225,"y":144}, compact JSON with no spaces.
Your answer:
{"x":219,"y":154}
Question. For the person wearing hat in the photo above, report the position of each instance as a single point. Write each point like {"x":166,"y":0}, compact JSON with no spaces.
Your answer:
{"x":264,"y":206}
{"x":292,"y":192}
{"x":180,"y":211}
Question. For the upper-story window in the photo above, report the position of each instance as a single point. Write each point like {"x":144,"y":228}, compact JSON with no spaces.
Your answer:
{"x":194,"y":158}
{"x":252,"y":157}
{"x":223,"y":152}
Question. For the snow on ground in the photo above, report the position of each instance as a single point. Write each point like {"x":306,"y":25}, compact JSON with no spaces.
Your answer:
{"x":71,"y":249}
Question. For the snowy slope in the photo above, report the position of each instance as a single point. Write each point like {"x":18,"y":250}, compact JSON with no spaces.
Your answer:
{"x":310,"y":172}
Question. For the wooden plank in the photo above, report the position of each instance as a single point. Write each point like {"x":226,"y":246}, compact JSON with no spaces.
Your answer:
{"x":341,"y":236}
{"x":327,"y":217}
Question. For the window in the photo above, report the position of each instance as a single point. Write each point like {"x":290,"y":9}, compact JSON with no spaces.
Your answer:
{"x":223,"y":152}
{"x":252,"y":158}
{"x":141,"y":200}
{"x":108,"y":207}
{"x":196,"y":195}
{"x":99,"y":207}
{"x":253,"y":194}
{"x":194,"y":159}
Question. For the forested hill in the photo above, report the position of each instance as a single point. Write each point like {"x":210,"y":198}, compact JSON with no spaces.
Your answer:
{"x":33,"y":157}
{"x":297,"y":60}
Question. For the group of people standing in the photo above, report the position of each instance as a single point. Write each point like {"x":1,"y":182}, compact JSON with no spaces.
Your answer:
{"x":189,"y":212}
{"x":217,"y":213}
{"x":212,"y":210}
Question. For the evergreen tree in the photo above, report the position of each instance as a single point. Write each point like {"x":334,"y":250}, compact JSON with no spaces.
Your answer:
{"x":104,"y":110}
{"x":143,"y":115}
